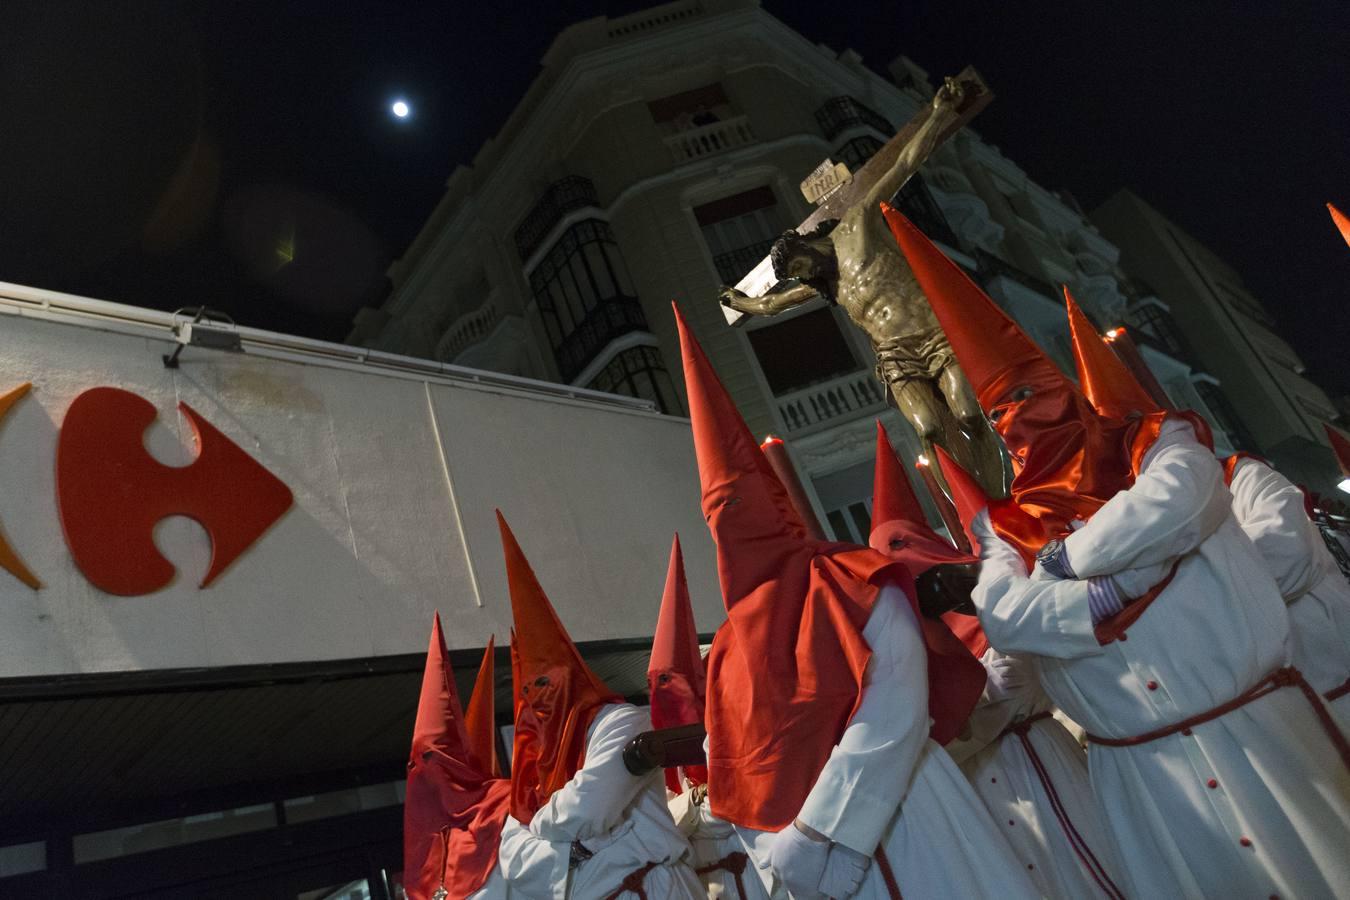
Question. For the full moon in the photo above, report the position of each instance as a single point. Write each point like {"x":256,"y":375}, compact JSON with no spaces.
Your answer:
{"x":400,"y":109}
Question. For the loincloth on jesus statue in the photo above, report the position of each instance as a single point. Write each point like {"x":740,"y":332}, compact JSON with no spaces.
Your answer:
{"x":913,"y":356}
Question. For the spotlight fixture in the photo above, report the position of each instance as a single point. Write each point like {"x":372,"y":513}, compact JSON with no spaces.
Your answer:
{"x":208,"y":328}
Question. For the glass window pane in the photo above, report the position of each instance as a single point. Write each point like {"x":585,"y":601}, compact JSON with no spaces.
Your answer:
{"x":583,"y":279}
{"x":595,"y":261}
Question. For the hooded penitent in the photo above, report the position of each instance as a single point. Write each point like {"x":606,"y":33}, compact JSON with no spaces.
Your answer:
{"x":900,"y":531}
{"x":675,"y":672}
{"x":1342,"y":223}
{"x":455,"y":808}
{"x":1067,"y":460}
{"x":785,"y":671}
{"x":968,"y":498}
{"x":554,"y":688}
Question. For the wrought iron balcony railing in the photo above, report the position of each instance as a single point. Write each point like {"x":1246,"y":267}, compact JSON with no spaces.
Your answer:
{"x":734,"y":264}
{"x":839,"y":113}
{"x":606,"y":321}
{"x":562,"y":197}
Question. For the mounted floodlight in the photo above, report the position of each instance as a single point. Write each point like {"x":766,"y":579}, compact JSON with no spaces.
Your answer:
{"x":209,"y":328}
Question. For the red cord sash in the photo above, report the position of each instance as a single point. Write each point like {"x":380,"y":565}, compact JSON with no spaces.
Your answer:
{"x":1280,"y":678}
{"x":1079,"y":844}
{"x":633,"y":883}
{"x":1338,"y":692}
{"x":734,"y":862}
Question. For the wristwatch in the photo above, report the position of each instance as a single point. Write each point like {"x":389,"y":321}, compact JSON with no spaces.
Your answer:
{"x":1054,"y":559}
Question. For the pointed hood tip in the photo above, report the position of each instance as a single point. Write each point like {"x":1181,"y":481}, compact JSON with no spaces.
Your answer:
{"x":1104,"y":379}
{"x":992,"y":349}
{"x":1342,"y":222}
{"x":967,"y":495}
{"x":893,"y":497}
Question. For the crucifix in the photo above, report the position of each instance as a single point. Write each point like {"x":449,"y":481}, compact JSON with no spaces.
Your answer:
{"x":845,"y":252}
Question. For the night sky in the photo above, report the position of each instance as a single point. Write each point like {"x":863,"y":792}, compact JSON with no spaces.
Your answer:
{"x":158,"y":153}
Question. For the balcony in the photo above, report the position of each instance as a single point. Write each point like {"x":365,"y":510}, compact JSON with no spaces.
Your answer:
{"x":709,"y":140}
{"x":838,"y":114}
{"x":918,"y":205}
{"x":467,"y":330}
{"x":733,"y":265}
{"x":831,"y":402}
{"x":562,"y":197}
{"x":606,"y":321}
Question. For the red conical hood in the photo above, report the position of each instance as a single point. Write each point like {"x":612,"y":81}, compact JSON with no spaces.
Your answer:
{"x":993,"y":352}
{"x":480,"y":719}
{"x":454,"y":810}
{"x":1342,"y":223}
{"x":1108,"y":385}
{"x":675,"y":674}
{"x":899,"y":527}
{"x":1340,"y":445}
{"x":744,"y":503}
{"x":556,"y":684}
{"x":785,"y":670}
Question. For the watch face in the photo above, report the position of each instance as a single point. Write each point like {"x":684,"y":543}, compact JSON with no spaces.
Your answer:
{"x":1047,"y":551}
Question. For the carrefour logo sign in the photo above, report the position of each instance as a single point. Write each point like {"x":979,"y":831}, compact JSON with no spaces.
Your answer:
{"x":111,"y":493}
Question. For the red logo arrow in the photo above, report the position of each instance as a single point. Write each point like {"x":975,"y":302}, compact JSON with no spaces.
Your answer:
{"x":111,"y":492}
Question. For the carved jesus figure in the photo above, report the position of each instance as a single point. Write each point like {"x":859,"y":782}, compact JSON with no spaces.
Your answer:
{"x":855,"y":262}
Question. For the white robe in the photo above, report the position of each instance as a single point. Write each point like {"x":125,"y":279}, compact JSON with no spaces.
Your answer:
{"x":712,"y":840}
{"x":1276,"y":820}
{"x":495,"y":888}
{"x":886,"y":784}
{"x":1005,"y":777}
{"x":1269,"y":508}
{"x":622,"y":820}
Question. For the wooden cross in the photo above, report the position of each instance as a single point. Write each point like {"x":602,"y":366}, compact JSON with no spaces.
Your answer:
{"x":975,"y":96}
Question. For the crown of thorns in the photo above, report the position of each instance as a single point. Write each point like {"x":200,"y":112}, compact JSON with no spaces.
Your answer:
{"x":791,"y":241}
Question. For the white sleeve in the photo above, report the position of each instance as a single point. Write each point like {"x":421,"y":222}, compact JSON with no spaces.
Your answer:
{"x":532,"y":866}
{"x":868,"y":773}
{"x":1269,"y":509}
{"x":1177,"y":501}
{"x":594,"y":801}
{"x":1021,"y":615}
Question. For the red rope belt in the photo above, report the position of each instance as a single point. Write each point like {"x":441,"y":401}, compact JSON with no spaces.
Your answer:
{"x":1338,"y":692}
{"x":888,"y":875}
{"x":633,"y":883}
{"x":734,"y":863}
{"x":1086,"y":857}
{"x":1280,"y":678}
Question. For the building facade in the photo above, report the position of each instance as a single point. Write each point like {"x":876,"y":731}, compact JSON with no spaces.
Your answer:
{"x":655,"y":158}
{"x":1199,"y":304}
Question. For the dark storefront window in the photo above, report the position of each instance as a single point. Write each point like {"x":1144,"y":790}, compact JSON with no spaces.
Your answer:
{"x":585,"y":295}
{"x":639,"y":372}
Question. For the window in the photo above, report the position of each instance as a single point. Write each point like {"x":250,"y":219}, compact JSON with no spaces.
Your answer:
{"x":918,"y":205}
{"x":840,"y":113}
{"x":1156,"y":323}
{"x":585,"y":295}
{"x":692,"y":109}
{"x":639,"y":372}
{"x":739,"y":230}
{"x":805,"y":350}
{"x":856,"y":515}
{"x":857,"y":152}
